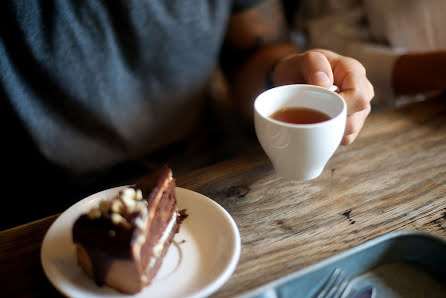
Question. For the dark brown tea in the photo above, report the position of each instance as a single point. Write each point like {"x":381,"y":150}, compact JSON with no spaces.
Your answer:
{"x":299,"y":115}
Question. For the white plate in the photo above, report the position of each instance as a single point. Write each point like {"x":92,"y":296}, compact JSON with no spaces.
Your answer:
{"x":202,"y":258}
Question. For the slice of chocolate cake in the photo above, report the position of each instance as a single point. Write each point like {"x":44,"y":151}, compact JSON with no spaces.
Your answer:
{"x":122,"y":242}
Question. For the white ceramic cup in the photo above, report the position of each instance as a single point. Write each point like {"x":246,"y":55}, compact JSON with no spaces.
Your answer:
{"x":299,"y":151}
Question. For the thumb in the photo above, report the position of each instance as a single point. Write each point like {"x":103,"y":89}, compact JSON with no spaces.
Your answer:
{"x":316,"y":69}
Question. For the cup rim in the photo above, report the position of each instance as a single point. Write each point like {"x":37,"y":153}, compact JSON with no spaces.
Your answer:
{"x":325,"y":90}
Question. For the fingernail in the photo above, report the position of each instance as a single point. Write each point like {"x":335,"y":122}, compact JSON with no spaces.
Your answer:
{"x":320,"y":78}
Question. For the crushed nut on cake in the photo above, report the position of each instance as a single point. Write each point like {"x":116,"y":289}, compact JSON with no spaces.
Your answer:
{"x":129,"y":233}
{"x":126,"y":209}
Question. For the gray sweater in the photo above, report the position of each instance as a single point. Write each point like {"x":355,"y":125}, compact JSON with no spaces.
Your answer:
{"x":94,"y":83}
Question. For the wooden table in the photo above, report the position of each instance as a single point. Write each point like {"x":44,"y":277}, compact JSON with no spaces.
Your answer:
{"x":392,"y":178}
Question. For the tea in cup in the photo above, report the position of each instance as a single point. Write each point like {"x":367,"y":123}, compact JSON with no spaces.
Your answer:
{"x":299,"y":127}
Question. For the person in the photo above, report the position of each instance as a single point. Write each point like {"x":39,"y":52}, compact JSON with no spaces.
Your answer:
{"x":89,"y":87}
{"x":400,"y":42}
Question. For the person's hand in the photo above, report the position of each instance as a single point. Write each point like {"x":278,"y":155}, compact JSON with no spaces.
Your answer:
{"x":325,"y":68}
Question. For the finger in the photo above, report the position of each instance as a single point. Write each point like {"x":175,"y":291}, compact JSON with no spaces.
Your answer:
{"x":355,"y":122}
{"x":347,"y":140}
{"x":316,"y":69}
{"x":342,"y":66}
{"x":350,"y":77}
{"x":357,"y":92}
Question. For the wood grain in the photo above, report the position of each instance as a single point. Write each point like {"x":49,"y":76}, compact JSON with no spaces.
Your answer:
{"x":20,"y":270}
{"x":392,"y":178}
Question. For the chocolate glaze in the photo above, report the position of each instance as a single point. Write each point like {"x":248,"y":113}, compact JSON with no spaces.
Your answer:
{"x":101,"y":247}
{"x":106,"y":242}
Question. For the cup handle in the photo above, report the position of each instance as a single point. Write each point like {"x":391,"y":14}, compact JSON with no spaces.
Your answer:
{"x":334,"y":88}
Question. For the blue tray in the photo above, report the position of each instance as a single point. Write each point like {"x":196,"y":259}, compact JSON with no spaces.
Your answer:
{"x":399,"y":264}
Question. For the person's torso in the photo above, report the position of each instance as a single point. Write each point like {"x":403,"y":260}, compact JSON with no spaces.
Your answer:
{"x":95,"y":82}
